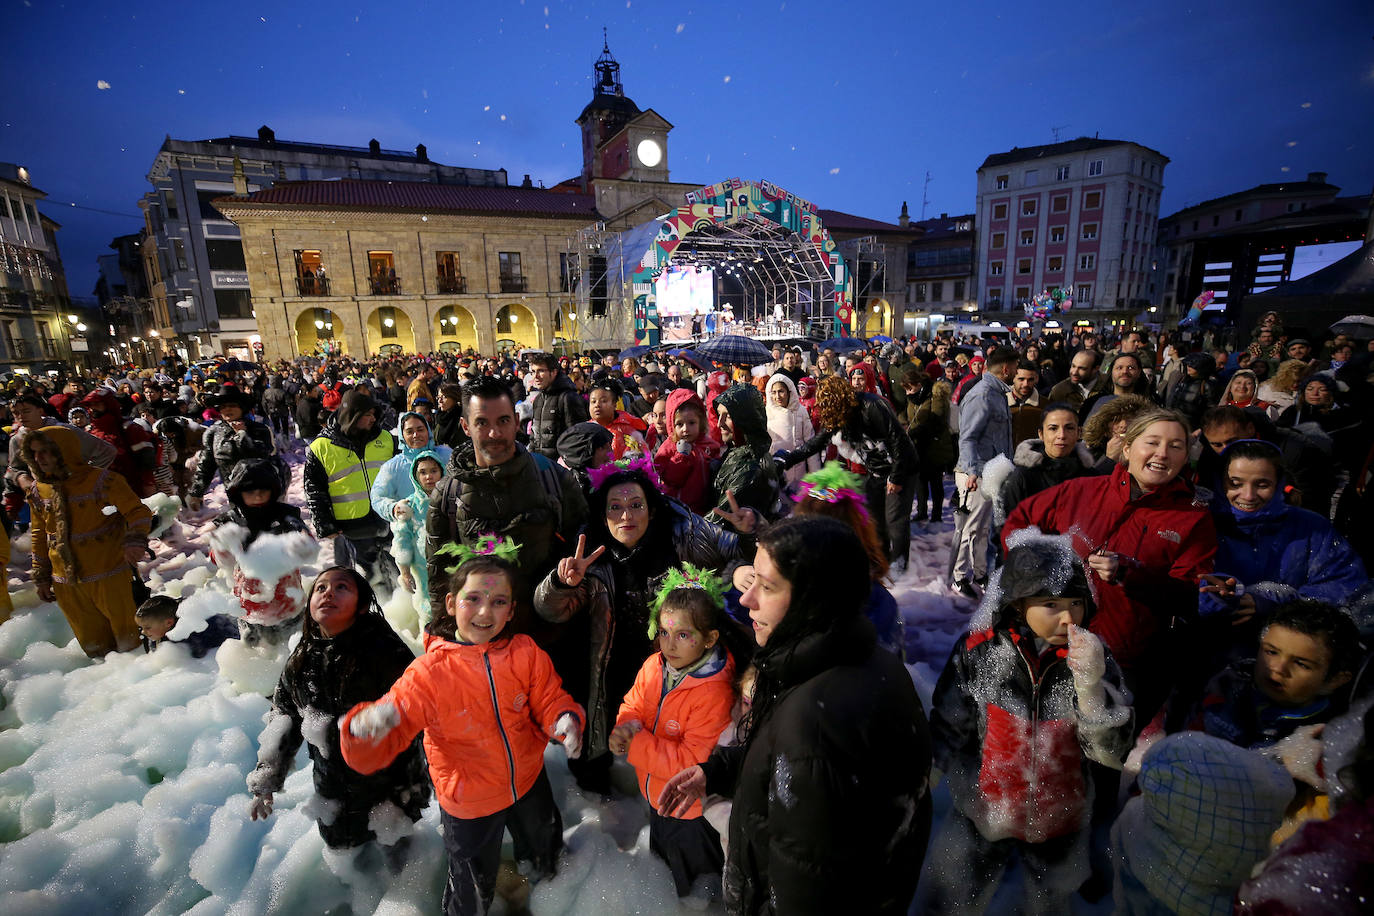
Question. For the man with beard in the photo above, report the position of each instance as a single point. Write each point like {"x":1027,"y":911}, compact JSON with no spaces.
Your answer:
{"x":494,"y":485}
{"x":1084,"y":381}
{"x":340,"y":466}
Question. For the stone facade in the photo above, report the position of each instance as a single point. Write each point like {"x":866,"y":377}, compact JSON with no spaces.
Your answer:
{"x":488,"y":318}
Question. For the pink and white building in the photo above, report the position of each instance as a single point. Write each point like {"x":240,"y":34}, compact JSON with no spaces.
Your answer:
{"x":1080,"y":215}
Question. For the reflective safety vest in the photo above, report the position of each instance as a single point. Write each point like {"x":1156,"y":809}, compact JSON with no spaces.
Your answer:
{"x":350,"y":480}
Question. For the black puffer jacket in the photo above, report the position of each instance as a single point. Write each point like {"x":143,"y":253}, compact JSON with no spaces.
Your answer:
{"x":325,"y":678}
{"x":557,"y":408}
{"x":875,"y":437}
{"x":224,"y":447}
{"x":316,"y":478}
{"x":1033,"y":472}
{"x":831,"y":794}
{"x":275,"y":517}
{"x":530,"y":499}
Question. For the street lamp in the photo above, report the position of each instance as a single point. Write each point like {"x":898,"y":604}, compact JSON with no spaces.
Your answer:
{"x":72,"y":319}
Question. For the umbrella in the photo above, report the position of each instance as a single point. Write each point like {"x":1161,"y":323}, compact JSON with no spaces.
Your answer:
{"x":1357,"y":326}
{"x":690,"y":356}
{"x":880,"y":339}
{"x":232,"y":365}
{"x":843,"y":345}
{"x":633,"y":352}
{"x":735,"y":350}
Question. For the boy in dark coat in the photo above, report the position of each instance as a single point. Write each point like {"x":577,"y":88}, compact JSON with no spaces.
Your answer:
{"x":157,"y":617}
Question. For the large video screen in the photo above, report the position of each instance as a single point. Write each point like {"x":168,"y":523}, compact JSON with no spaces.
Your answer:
{"x":1308,"y":259}
{"x":686,"y":291}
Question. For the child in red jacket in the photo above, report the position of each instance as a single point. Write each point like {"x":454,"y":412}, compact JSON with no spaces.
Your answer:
{"x":679,"y":705}
{"x":488,"y":703}
{"x":684,"y":458}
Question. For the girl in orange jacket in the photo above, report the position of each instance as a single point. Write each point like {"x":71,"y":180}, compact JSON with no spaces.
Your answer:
{"x":488,"y":703}
{"x":679,"y":705}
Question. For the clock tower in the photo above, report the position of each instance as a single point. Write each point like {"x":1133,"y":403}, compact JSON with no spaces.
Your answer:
{"x":618,"y":140}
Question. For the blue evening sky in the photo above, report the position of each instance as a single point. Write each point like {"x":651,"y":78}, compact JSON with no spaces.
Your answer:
{"x":847,"y":104}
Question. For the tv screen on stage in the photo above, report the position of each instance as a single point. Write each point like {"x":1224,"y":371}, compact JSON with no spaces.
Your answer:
{"x":1308,"y":259}
{"x":686,"y":291}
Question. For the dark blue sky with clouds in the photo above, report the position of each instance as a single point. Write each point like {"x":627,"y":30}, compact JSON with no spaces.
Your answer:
{"x":848,"y":105}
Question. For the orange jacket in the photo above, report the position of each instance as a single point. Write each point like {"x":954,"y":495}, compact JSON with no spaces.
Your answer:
{"x":680,"y":727}
{"x":487,"y":712}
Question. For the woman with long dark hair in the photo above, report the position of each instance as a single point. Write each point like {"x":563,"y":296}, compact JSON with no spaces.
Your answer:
{"x":831,"y":805}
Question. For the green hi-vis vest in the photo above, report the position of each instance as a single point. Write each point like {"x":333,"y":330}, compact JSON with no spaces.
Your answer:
{"x":350,"y":480}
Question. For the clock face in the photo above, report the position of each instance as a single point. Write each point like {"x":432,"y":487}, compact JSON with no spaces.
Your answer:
{"x":649,"y":153}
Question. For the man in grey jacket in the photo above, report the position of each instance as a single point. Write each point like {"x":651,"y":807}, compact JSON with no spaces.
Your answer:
{"x":984,"y":433}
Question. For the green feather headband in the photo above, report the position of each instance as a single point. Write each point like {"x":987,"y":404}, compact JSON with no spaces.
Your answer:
{"x":833,"y":484}
{"x":688,"y":576}
{"x":488,"y":545}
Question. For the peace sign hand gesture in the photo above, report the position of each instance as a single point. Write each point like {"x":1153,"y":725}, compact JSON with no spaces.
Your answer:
{"x":572,"y":570}
{"x":742,"y":520}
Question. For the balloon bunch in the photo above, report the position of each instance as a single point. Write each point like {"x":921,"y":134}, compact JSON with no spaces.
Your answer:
{"x":1047,"y":302}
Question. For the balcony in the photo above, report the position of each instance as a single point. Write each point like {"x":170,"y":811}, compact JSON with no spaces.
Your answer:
{"x":312,"y":286}
{"x":451,"y":284}
{"x":513,"y":284}
{"x":385,"y":286}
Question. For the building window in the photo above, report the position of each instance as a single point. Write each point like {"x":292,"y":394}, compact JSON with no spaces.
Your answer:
{"x":1002,"y":182}
{"x":999,"y":211}
{"x":1087,"y":261}
{"x":1094,"y":168}
{"x":937,"y":291}
{"x":1027,"y":236}
{"x":169,"y":203}
{"x":918,"y":292}
{"x":179,"y":252}
{"x":565,"y":284}
{"x":995,"y":297}
{"x":310,"y":274}
{"x":995,"y":268}
{"x":958,"y":290}
{"x":1055,"y":264}
{"x":512,"y":278}
{"x":225,"y":254}
{"x":1216,"y":220}
{"x":233,"y":303}
{"x":1022,"y":293}
{"x":1092,"y":200}
{"x":1023,"y":265}
{"x":1031,"y":177}
{"x":449,"y":272}
{"x":999,"y":240}
{"x":1061,"y":173}
{"x":1056,"y":235}
{"x":1085,"y":293}
{"x":1089,"y":232}
{"x":1195,"y":225}
{"x":1059,"y":204}
{"x":1028,"y":207}
{"x":381,"y":273}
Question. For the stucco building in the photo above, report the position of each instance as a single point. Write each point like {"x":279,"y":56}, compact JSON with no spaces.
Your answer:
{"x":33,"y":285}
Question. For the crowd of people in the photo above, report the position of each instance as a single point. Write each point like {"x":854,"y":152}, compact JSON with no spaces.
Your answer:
{"x":686,"y":567}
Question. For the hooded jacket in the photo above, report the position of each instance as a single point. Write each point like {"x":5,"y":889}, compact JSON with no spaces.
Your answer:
{"x":790,"y":427}
{"x":748,"y":467}
{"x":487,"y":711}
{"x":1165,"y":540}
{"x":263,"y":603}
{"x":1005,"y":721}
{"x":408,"y":536}
{"x":686,"y":475}
{"x":871,"y":436}
{"x":1336,"y":855}
{"x":74,"y":539}
{"x":325,"y":678}
{"x":681,"y":725}
{"x":614,"y":602}
{"x":395,"y":481}
{"x":935,"y":444}
{"x":342,"y":452}
{"x":1030,"y":472}
{"x":135,"y":447}
{"x":557,"y":408}
{"x":832,"y":784}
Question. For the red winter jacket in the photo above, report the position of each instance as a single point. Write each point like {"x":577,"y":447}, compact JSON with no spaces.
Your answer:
{"x":680,"y":727}
{"x":686,"y":477}
{"x":136,"y":449}
{"x":487,"y":712}
{"x":1165,"y":540}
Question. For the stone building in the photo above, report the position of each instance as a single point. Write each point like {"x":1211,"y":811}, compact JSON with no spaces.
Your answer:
{"x":33,"y":285}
